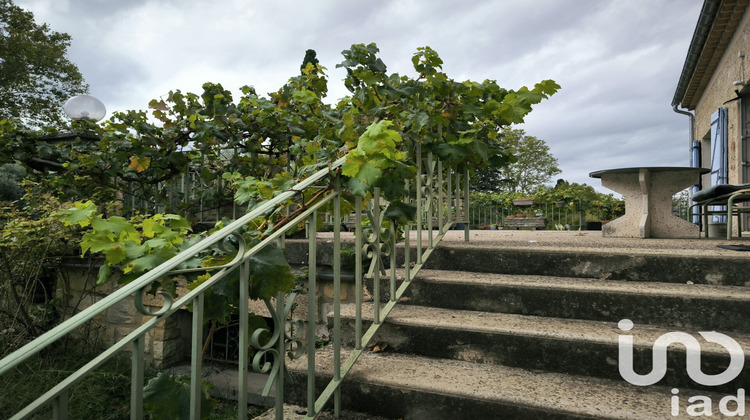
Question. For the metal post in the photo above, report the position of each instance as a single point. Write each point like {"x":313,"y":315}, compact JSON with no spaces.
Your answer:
{"x":358,"y":273}
{"x":376,"y":226}
{"x":60,"y":406}
{"x":337,"y":297}
{"x":196,"y":358}
{"x":280,"y":322}
{"x":459,"y":210}
{"x":392,"y":258}
{"x":466,"y":206}
{"x":244,"y":340}
{"x":430,"y":199}
{"x":440,"y":196}
{"x":419,"y":202}
{"x":450,"y":196}
{"x":312,"y":314}
{"x":407,"y":253}
{"x":136,"y":379}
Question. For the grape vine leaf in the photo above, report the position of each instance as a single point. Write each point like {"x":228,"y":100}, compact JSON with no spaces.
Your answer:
{"x":376,"y":151}
{"x":168,"y":398}
{"x":80,"y":214}
{"x":139,"y":163}
{"x":401,"y":212}
{"x":270,"y":273}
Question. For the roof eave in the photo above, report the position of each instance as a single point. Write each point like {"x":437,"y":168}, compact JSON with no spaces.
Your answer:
{"x":700,"y":35}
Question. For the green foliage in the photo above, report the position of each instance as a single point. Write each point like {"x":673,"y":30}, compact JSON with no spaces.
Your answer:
{"x":376,"y":153}
{"x":532,"y":165}
{"x":251,"y":190}
{"x":102,"y":394}
{"x":166,"y":397}
{"x":36,"y":77}
{"x":211,"y":138}
{"x":567,"y":197}
{"x":134,"y":246}
{"x":270,"y":273}
{"x":454,"y":120}
{"x":576,"y":197}
{"x":11,"y":175}
{"x":400,"y":212}
{"x":31,"y":243}
{"x":247,"y":150}
{"x":681,"y":204}
{"x":309,"y":60}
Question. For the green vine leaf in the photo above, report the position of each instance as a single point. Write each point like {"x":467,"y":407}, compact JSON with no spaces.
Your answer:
{"x":103,"y":275}
{"x":116,"y":227}
{"x":305,"y":96}
{"x":114,"y":252}
{"x":401,"y":212}
{"x":80,"y":214}
{"x":270,"y":273}
{"x":148,"y":261}
{"x":376,"y":151}
{"x":168,"y":398}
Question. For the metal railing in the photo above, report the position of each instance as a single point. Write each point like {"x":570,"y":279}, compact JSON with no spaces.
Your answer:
{"x":440,"y":196}
{"x":186,"y":194}
{"x":485,"y":216}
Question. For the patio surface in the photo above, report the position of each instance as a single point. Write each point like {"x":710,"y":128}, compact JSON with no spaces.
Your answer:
{"x":591,"y":241}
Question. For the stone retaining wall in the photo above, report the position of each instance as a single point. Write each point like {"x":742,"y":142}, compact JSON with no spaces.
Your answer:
{"x":166,"y":344}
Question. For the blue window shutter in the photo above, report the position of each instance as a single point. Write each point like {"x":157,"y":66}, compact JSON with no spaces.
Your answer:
{"x":719,"y":154}
{"x":696,"y":151}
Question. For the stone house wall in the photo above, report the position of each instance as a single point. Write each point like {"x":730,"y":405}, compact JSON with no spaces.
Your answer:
{"x":733,"y":66}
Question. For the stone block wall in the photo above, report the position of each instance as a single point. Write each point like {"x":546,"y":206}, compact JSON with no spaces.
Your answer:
{"x":166,"y":344}
{"x":169,"y":342}
{"x":325,"y":295}
{"x":732,"y":67}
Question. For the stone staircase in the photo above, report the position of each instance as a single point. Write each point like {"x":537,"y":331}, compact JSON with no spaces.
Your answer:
{"x":491,"y":331}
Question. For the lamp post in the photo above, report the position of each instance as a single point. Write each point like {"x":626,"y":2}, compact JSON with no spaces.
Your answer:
{"x":77,"y":108}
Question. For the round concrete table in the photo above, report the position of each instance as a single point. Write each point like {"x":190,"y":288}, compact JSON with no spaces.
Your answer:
{"x":648,"y":195}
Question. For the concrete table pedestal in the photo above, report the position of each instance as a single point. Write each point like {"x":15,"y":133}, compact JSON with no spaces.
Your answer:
{"x":648,"y":201}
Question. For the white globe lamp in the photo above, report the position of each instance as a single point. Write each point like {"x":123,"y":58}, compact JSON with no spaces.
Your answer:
{"x":84,"y":107}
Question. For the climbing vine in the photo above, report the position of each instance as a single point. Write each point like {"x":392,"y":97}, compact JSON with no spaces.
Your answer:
{"x":246,"y":150}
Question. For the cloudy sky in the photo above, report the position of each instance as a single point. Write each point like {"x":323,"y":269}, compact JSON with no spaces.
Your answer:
{"x":618,"y":61}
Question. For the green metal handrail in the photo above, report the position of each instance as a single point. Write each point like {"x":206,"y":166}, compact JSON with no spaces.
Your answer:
{"x":429,"y":198}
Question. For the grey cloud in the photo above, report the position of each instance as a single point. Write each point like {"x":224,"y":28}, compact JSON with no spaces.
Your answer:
{"x":617,"y":62}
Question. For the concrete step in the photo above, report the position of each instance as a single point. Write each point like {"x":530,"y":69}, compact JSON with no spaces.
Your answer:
{"x":516,"y":325}
{"x":646,"y":265}
{"x":409,"y":387}
{"x":537,"y":343}
{"x":570,"y":254}
{"x":695,"y":306}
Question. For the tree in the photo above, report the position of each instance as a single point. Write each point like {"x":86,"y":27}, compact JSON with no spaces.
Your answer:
{"x":576,"y":197}
{"x":310,"y":58}
{"x":533,"y":165}
{"x":10,"y":175}
{"x":36,"y":77}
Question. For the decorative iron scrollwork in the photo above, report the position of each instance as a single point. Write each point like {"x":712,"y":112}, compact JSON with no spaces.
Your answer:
{"x":293,"y":346}
{"x":376,"y":238}
{"x":168,"y":300}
